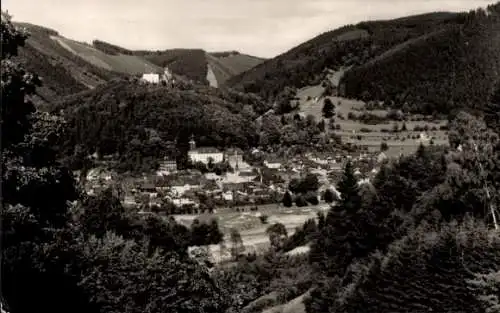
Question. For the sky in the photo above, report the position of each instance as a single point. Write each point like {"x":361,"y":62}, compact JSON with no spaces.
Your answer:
{"x":262,"y":28}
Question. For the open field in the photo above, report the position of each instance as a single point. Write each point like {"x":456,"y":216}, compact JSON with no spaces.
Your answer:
{"x":371,"y":135}
{"x":128,"y":64}
{"x":248,"y":224}
{"x":231,"y":65}
{"x":294,"y":306}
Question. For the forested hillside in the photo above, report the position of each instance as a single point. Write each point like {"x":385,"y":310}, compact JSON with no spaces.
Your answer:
{"x":192,"y":63}
{"x":125,"y":116}
{"x":426,"y":63}
{"x":63,"y":72}
{"x":187,"y":62}
{"x":67,"y":66}
{"x":347,"y":46}
{"x":446,"y":70}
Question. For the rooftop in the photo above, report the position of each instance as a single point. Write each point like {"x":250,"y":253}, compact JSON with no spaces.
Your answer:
{"x":234,"y":150}
{"x":247,"y":174}
{"x":205,"y":150}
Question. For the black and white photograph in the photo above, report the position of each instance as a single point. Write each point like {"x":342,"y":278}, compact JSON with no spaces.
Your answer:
{"x":250,"y":156}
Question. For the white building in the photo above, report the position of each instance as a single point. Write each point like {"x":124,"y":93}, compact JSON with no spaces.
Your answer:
{"x":228,"y":196}
{"x":272,"y":164}
{"x":205,"y":154}
{"x":156,"y":78}
{"x":183,"y":201}
{"x":151,"y":78}
{"x":179,"y":190}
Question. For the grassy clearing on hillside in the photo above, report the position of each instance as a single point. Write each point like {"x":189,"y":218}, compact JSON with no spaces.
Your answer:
{"x":231,"y":65}
{"x":239,"y":63}
{"x":211,"y":77}
{"x":371,"y":135}
{"x":122,"y":63}
{"x":62,"y":71}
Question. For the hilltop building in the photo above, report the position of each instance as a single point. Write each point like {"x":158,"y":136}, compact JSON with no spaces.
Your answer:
{"x":156,"y":78}
{"x":151,"y":78}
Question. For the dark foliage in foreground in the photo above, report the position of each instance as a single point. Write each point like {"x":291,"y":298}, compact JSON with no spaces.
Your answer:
{"x":61,"y":254}
{"x":413,"y":232}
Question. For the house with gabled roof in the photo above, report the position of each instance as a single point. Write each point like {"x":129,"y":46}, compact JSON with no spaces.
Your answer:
{"x":204,"y":154}
{"x":272,"y":163}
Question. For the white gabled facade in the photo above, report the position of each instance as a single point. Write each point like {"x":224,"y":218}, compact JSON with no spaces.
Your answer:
{"x":151,"y":78}
{"x":204,"y":155}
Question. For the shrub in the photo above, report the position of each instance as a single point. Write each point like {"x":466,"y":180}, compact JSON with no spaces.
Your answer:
{"x":300,"y":201}
{"x":263,"y":219}
{"x":384,"y":146}
{"x":312,"y":198}
{"x":287,"y":200}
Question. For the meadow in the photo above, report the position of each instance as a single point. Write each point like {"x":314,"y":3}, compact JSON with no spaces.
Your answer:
{"x":367,"y":135}
{"x":128,"y":64}
{"x":250,"y":226}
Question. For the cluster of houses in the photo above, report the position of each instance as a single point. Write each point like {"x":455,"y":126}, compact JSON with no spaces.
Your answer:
{"x":245,"y":184}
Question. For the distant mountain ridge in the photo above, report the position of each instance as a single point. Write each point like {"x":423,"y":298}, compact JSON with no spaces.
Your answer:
{"x":68,"y":66}
{"x":427,"y":63}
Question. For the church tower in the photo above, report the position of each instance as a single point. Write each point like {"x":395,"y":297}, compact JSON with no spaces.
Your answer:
{"x":192,"y":143}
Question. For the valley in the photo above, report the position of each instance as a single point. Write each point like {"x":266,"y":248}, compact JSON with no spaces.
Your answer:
{"x":356,"y":172}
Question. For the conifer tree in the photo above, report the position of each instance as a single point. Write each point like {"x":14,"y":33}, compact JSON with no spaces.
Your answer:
{"x":328,"y":108}
{"x":287,"y":199}
{"x":349,"y":189}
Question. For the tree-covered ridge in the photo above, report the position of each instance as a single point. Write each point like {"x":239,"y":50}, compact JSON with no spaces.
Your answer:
{"x":125,"y":117}
{"x":190,"y":63}
{"x":347,"y":46}
{"x":110,"y":48}
{"x":453,"y":68}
